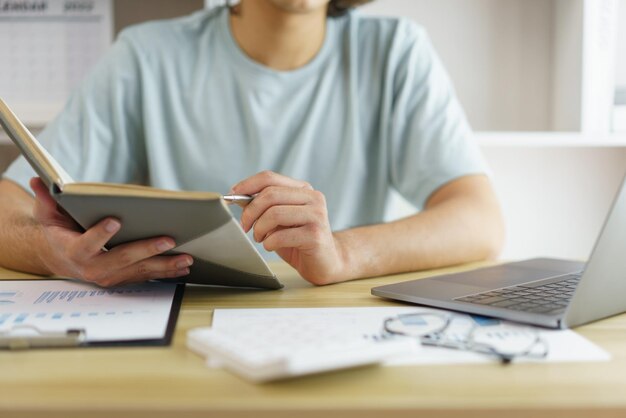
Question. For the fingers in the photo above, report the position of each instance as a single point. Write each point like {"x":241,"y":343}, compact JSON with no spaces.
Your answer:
{"x":135,"y":262}
{"x":305,"y":237}
{"x":272,"y":196}
{"x":260,"y":181}
{"x":162,"y":267}
{"x":132,"y":253}
{"x":158,"y":267}
{"x":96,"y":237}
{"x":282,"y":216}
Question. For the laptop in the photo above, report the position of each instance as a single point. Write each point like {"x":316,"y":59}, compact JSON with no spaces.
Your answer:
{"x":547,"y":292}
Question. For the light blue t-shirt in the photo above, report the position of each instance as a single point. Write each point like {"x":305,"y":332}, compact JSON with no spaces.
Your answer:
{"x":177,"y":104}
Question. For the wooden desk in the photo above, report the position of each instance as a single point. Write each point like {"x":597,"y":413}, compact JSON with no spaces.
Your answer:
{"x":172,"y":381}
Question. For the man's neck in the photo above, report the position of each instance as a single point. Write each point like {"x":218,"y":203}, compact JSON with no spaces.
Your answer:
{"x":277,"y":38}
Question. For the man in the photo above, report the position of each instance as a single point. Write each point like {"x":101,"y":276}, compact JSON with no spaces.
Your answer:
{"x":329,"y":112}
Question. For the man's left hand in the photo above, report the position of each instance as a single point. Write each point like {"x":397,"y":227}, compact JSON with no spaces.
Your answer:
{"x":289,"y":217}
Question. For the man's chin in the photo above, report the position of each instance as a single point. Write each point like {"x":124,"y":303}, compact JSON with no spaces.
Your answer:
{"x":300,"y":6}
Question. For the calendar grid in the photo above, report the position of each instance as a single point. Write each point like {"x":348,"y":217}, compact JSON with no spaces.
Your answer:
{"x":47,"y":53}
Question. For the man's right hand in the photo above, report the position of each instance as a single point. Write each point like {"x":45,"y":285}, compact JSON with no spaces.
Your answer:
{"x":78,"y":254}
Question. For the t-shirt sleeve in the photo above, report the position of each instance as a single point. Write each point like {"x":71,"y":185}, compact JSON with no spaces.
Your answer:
{"x":431,"y":141}
{"x":98,"y":135}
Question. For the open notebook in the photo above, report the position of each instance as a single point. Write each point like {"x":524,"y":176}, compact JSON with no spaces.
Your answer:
{"x":199,"y":222}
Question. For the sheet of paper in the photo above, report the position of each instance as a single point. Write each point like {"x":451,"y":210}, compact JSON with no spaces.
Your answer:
{"x":134,"y":312}
{"x":47,"y":47}
{"x":564,"y":345}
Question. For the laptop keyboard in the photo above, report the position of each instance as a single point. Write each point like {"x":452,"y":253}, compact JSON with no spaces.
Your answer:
{"x":545,"y":297}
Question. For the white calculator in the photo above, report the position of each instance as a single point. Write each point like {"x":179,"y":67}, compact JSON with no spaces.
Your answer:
{"x":263,"y":354}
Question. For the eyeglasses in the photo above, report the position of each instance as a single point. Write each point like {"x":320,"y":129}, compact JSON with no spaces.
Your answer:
{"x":506,"y":342}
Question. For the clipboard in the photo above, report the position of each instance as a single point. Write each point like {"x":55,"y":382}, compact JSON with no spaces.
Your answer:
{"x":62,"y":313}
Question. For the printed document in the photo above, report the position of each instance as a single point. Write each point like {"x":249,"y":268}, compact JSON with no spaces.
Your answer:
{"x":563,"y":345}
{"x":133,"y":312}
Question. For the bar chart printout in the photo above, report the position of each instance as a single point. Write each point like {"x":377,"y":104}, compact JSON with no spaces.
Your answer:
{"x":134,"y":312}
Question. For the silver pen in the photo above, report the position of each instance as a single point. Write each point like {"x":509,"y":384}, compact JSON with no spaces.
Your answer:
{"x":239,"y":199}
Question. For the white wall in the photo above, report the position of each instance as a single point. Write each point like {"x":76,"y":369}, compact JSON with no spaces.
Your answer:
{"x":555,"y":199}
{"x":498,"y":53}
{"x":566,"y":75}
{"x":620,"y":75}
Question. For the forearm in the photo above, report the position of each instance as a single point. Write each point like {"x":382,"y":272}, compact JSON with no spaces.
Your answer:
{"x":21,"y":240}
{"x":463,"y":228}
